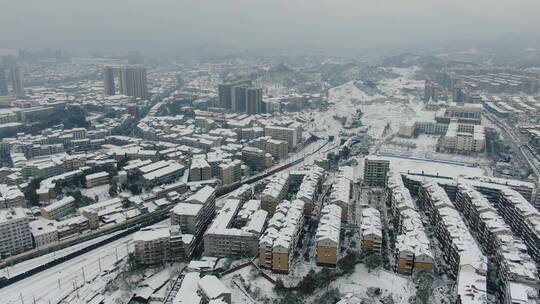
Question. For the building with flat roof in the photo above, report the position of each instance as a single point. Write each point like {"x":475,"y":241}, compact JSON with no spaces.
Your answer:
{"x":15,"y":233}
{"x":226,"y":237}
{"x":97,"y":179}
{"x":158,"y":244}
{"x":59,"y":209}
{"x":376,"y":171}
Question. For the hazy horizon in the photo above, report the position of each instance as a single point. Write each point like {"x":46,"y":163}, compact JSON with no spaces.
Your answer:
{"x":159,"y":25}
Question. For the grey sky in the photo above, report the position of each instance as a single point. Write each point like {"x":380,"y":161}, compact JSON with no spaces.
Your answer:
{"x":145,"y":24}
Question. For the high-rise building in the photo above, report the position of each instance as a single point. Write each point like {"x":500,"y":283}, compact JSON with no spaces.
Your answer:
{"x":254,"y":100}
{"x":16,"y":81}
{"x":376,"y":171}
{"x":108,"y":80}
{"x":133,"y":81}
{"x":225,"y":93}
{"x":239,"y":98}
{"x":3,"y":82}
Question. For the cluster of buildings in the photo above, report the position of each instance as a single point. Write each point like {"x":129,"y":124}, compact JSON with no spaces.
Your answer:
{"x":472,"y":218}
{"x":459,"y":126}
{"x":131,"y":80}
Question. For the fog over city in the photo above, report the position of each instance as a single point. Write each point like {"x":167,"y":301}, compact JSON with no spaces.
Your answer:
{"x":270,"y":152}
{"x":258,"y":24}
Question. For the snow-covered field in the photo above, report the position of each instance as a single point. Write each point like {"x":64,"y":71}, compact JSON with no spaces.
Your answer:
{"x":401,"y":288}
{"x":425,"y":147}
{"x":248,"y":278}
{"x":396,"y":107}
{"x":432,"y":167}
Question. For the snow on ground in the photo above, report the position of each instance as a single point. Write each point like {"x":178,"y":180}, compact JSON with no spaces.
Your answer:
{"x":432,"y":167}
{"x":55,"y":283}
{"x":360,"y":280}
{"x":394,"y":86}
{"x":253,"y":281}
{"x":396,"y":108}
{"x":101,"y":191}
{"x":424,"y":146}
{"x":35,"y":262}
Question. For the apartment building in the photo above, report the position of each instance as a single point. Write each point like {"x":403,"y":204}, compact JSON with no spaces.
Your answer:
{"x":516,"y":270}
{"x":59,"y":209}
{"x":371,"y":230}
{"x":517,"y":212}
{"x":44,"y":232}
{"x":462,"y":138}
{"x":328,"y":236}
{"x":159,"y":244}
{"x":342,"y":190}
{"x":226,"y":238}
{"x":279,"y":240}
{"x":412,"y":244}
{"x":166,"y":174}
{"x":292,"y":134}
{"x":15,"y":233}
{"x":199,"y":170}
{"x":11,"y":196}
{"x":256,"y":159}
{"x":97,"y":179}
{"x":279,"y":149}
{"x":274,"y":192}
{"x":461,"y":252}
{"x":376,"y":171}
{"x":310,"y":187}
{"x":230,"y":172}
{"x":195,"y":213}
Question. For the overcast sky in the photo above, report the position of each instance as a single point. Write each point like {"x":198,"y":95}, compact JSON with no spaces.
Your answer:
{"x":145,"y":24}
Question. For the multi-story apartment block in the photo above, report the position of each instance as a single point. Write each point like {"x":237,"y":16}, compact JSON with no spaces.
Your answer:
{"x":463,"y":138}
{"x":412,"y":244}
{"x":278,"y":242}
{"x":516,"y":270}
{"x":195,"y":214}
{"x":159,"y":244}
{"x":230,"y":172}
{"x":376,"y":171}
{"x":200,"y":170}
{"x":97,"y":179}
{"x":44,"y":232}
{"x":371,"y":230}
{"x":59,"y":209}
{"x":279,"y":149}
{"x":328,"y":236}
{"x":292,"y":134}
{"x":225,"y":239}
{"x":310,"y":187}
{"x":256,"y":159}
{"x":461,"y":252}
{"x":11,"y":196}
{"x":15,"y":234}
{"x":517,"y":212}
{"x":342,"y":190}
{"x":274,"y":192}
